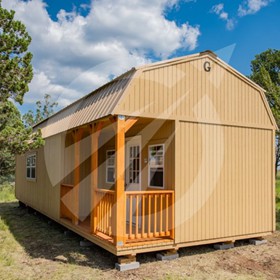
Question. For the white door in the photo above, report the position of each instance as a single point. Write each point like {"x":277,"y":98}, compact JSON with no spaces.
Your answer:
{"x":133,"y":173}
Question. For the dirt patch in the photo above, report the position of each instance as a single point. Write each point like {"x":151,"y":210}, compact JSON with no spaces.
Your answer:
{"x":29,"y":246}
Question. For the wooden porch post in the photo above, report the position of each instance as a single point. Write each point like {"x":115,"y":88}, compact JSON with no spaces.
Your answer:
{"x":95,"y":132}
{"x":77,"y":139}
{"x":120,"y":203}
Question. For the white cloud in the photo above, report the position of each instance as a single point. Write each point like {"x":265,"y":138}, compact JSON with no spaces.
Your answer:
{"x":41,"y":84}
{"x":219,"y":10}
{"x":75,"y":54}
{"x":250,"y":7}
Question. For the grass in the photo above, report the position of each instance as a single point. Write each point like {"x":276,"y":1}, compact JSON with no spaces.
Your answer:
{"x":7,"y":192}
{"x":29,"y":245}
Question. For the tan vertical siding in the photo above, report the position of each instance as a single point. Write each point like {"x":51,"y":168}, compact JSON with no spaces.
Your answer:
{"x":224,"y":184}
{"x":42,"y":194}
{"x":158,"y":132}
{"x":85,"y":170}
{"x":220,"y":162}
{"x":68,"y":160}
{"x":273,"y":180}
{"x":186,"y":92}
{"x":152,"y":132}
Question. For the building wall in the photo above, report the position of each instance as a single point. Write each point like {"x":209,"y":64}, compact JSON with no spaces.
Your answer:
{"x":224,"y":181}
{"x":151,"y":132}
{"x":55,"y":165}
{"x":44,"y":193}
{"x":185,"y":91}
{"x":85,"y":171}
{"x":158,"y":132}
{"x":220,"y":163}
{"x":223,"y":145}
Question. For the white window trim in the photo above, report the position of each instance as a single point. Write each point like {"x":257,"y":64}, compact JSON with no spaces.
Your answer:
{"x":163,"y":166}
{"x":107,"y":181}
{"x":29,"y":178}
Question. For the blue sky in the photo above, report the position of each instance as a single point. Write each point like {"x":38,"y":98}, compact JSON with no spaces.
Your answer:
{"x":79,"y":45}
{"x":252,"y":34}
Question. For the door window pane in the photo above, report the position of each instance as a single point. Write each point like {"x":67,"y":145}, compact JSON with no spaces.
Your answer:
{"x":134,"y":164}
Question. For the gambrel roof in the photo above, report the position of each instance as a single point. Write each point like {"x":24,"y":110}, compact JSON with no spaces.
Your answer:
{"x":94,"y":106}
{"x":151,"y":90}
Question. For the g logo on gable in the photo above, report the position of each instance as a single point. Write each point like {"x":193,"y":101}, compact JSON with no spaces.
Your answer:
{"x":207,"y":66}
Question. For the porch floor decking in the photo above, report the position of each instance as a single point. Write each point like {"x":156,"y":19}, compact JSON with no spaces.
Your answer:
{"x":85,"y":226}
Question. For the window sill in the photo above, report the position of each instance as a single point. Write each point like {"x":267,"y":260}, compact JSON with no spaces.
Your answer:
{"x":153,"y":187}
{"x":31,"y":180}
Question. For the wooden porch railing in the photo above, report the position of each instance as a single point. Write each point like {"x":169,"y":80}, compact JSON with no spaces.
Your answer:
{"x":149,"y":214}
{"x":104,"y":214}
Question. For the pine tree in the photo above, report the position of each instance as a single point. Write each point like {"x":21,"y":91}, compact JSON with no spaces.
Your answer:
{"x":15,"y":75}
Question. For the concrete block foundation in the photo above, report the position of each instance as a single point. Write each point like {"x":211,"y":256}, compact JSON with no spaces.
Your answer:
{"x":168,"y":255}
{"x":127,"y":266}
{"x":224,"y":246}
{"x":257,"y":241}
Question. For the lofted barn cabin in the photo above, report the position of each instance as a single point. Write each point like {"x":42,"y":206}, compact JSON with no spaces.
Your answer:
{"x":171,"y":154}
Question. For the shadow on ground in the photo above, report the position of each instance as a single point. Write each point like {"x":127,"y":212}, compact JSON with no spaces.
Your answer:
{"x":43,"y":238}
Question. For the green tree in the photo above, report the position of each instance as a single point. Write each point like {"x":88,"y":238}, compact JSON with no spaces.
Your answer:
{"x":14,"y":138}
{"x":15,"y":75}
{"x":266,"y":72}
{"x":15,"y":61}
{"x":44,"y":109}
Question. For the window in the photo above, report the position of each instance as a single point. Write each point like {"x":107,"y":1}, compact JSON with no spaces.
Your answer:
{"x":110,"y":166}
{"x":31,"y":167}
{"x":134,"y":164}
{"x":156,"y":166}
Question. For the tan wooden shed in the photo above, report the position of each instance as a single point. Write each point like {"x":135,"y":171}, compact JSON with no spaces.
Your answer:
{"x":172,"y":154}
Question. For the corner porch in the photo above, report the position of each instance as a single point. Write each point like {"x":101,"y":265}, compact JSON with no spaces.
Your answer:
{"x":125,"y":213}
